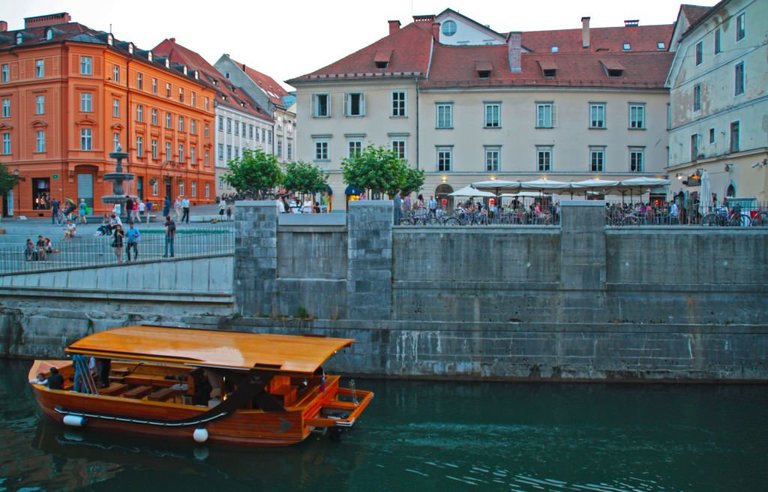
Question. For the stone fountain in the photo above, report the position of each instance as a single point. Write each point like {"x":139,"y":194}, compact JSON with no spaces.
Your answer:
{"x":117,"y":178}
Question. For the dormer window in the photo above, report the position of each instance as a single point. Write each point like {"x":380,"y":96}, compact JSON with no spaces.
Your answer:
{"x":661,"y":46}
{"x":449,"y":28}
{"x":226,"y":75}
{"x":548,"y":68}
{"x":19,"y":38}
{"x":130,"y":48}
{"x":184,"y":69}
{"x":48,"y":34}
{"x":627,"y":47}
{"x":382,"y":59}
{"x":110,"y":39}
{"x":167,"y":63}
{"x":484,"y":69}
{"x":613,"y":68}
{"x":149,"y":55}
{"x":555,"y":49}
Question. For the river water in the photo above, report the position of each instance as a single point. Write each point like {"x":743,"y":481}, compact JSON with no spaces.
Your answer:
{"x":428,"y":436}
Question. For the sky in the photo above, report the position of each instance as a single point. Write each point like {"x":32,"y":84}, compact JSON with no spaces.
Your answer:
{"x":286,"y":40}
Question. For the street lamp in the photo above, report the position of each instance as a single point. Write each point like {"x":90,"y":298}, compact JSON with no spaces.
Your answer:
{"x":16,"y":173}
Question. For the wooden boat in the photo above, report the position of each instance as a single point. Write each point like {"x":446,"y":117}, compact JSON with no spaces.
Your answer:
{"x":202,"y":385}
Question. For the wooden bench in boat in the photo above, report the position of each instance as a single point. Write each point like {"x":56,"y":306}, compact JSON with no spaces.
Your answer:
{"x":114,"y":389}
{"x":138,"y":392}
{"x":164,"y":394}
{"x":149,"y":380}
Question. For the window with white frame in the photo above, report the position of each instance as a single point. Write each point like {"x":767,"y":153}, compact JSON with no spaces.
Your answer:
{"x":237,"y":128}
{"x":193,"y":188}
{"x":168,"y":120}
{"x":206,"y":130}
{"x":739,"y":80}
{"x":543,"y":158}
{"x":221,"y":124}
{"x":597,"y":159}
{"x":6,"y":143}
{"x":139,"y":146}
{"x":193,"y":155}
{"x":636,"y":116}
{"x":154,"y":149}
{"x":597,"y":115}
{"x":220,"y":155}
{"x":86,"y":65}
{"x":140,"y":113}
{"x":229,"y":125}
{"x":193,"y":99}
{"x":229,"y":152}
{"x":697,"y":97}
{"x":444,"y":115}
{"x":718,"y":41}
{"x":237,"y":152}
{"x":444,"y":159}
{"x":636,"y":159}
{"x":354,"y":104}
{"x":207,"y":159}
{"x":741,"y":26}
{"x":250,"y":132}
{"x":86,"y":139}
{"x":355,"y":148}
{"x":321,"y":150}
{"x":192,"y":127}
{"x":39,"y":69}
{"x":6,"y":108}
{"x":289,"y":151}
{"x":115,"y":141}
{"x":181,"y":187}
{"x":398,"y":146}
{"x":398,"y":104}
{"x":492,"y":158}
{"x":207,"y":190}
{"x":168,"y":152}
{"x":40,"y":141}
{"x":140,"y":81}
{"x":154,"y":86}
{"x":492,"y":115}
{"x":86,"y":102}
{"x":116,"y":73}
{"x":167,"y":89}
{"x":39,"y":104}
{"x":280,"y":148}
{"x":545,"y":115}
{"x":207,"y":103}
{"x":181,"y":152}
{"x":5,"y":73}
{"x":735,"y":137}
{"x":116,"y":108}
{"x":181,"y":123}
{"x":321,"y":105}
{"x":155,"y":188}
{"x":154,"y":116}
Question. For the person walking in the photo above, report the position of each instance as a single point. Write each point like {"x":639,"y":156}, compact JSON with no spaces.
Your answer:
{"x":55,"y":211}
{"x":166,"y":206}
{"x":170,"y":235}
{"x":82,"y":211}
{"x":142,"y":210}
{"x":135,"y":210}
{"x":149,"y":210}
{"x":398,"y":203}
{"x":177,"y":208}
{"x":132,"y":241}
{"x":185,"y":210}
{"x":117,"y":242}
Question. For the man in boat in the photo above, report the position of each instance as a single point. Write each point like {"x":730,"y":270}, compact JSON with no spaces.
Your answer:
{"x":55,"y":380}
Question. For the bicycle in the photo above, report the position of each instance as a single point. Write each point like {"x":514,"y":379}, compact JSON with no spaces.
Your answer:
{"x":722,"y":217}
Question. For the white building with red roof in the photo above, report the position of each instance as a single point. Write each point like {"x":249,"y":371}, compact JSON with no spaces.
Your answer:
{"x":719,"y":101}
{"x":465,"y":103}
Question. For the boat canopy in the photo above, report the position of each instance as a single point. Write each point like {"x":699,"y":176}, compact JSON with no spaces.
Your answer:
{"x":211,"y":348}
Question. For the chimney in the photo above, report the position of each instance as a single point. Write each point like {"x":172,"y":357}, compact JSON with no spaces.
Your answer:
{"x":515,"y":50}
{"x":46,"y":20}
{"x":436,"y":31}
{"x":394,"y":26}
{"x":3,"y":26}
{"x":585,"y":32}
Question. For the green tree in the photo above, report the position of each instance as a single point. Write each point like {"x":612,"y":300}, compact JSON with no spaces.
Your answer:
{"x":7,"y":180}
{"x":380,"y":170}
{"x":303,"y":177}
{"x":413,"y":180}
{"x":254,"y":175}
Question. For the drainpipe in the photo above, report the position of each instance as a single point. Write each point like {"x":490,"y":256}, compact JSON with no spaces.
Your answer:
{"x":417,"y":121}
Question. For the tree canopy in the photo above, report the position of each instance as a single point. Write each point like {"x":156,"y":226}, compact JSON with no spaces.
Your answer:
{"x":7,"y":180}
{"x":303,"y":177}
{"x":380,"y":170}
{"x":255,"y":174}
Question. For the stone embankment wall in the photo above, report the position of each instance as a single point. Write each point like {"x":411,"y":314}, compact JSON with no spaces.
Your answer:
{"x":577,"y":302}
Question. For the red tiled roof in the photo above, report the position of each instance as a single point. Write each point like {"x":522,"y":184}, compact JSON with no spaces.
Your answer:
{"x":409,"y":46}
{"x":454,"y":66}
{"x":274,"y":91}
{"x":693,"y":13}
{"x":640,"y":38}
{"x":226,"y":93}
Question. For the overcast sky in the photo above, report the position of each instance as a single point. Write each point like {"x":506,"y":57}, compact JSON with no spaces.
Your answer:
{"x":292,"y":38}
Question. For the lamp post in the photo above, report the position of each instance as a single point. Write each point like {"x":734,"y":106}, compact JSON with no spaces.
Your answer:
{"x":19,"y":179}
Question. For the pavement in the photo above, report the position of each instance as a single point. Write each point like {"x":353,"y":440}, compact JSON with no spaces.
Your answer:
{"x":17,"y":230}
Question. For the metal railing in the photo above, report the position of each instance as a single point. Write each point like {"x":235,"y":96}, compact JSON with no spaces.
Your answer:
{"x":91,"y":250}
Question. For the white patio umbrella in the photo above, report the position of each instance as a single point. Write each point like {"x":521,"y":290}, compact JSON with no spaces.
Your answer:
{"x":544,"y":185}
{"x":472,"y":192}
{"x":498,"y":186}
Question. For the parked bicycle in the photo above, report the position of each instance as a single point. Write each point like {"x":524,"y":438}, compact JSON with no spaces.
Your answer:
{"x":724,"y":217}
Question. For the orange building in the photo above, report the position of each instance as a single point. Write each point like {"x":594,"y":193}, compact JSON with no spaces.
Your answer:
{"x":70,"y":95}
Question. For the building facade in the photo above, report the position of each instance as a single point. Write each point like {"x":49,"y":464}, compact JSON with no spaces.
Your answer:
{"x":719,"y":101}
{"x":240,"y":123}
{"x":72,"y":95}
{"x":465,"y":103}
{"x":281,"y":139}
